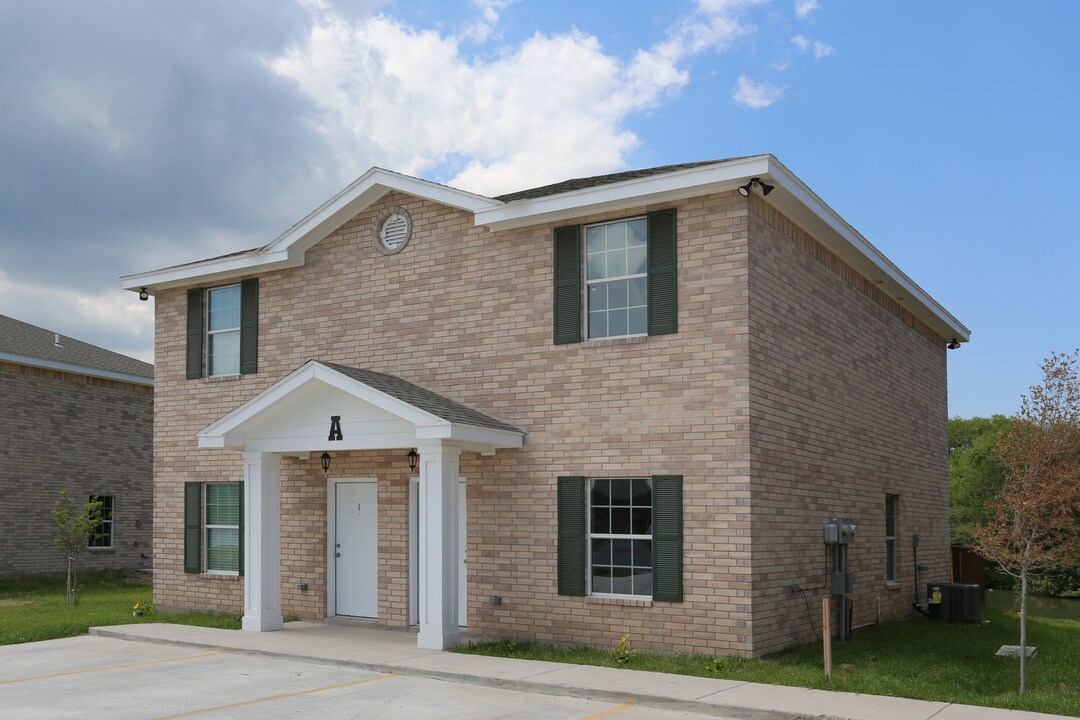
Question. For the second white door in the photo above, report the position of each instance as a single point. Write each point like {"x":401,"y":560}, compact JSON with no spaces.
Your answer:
{"x":357,"y":549}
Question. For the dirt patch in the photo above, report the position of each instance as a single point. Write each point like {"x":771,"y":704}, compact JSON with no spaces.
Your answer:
{"x":13,"y":603}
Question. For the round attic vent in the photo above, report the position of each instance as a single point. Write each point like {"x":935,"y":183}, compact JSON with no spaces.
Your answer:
{"x":394,"y":231}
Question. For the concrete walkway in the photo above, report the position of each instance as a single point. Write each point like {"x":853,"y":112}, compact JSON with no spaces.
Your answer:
{"x":391,"y":651}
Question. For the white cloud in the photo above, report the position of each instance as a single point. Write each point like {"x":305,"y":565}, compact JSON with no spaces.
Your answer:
{"x":779,"y":66}
{"x":818,"y":48}
{"x":549,"y":108}
{"x":756,"y":95}
{"x":116,"y":319}
{"x":805,"y":7}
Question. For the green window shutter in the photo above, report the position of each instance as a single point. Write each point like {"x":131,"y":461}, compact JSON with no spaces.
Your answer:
{"x":194,"y":334}
{"x":667,"y":538}
{"x":567,"y":285}
{"x":249,"y":326}
{"x":571,"y":536}
{"x":663,"y":280}
{"x":240,"y":532}
{"x":192,"y":527}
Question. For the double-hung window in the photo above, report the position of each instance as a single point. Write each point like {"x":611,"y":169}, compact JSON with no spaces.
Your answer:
{"x":223,"y":527}
{"x":101,"y":537}
{"x":892,"y":509}
{"x":616,"y":279}
{"x":214,"y":528}
{"x":223,"y":331}
{"x":620,"y":536}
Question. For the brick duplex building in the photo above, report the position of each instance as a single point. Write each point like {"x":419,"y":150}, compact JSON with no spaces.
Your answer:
{"x":79,"y":418}
{"x":636,"y":401}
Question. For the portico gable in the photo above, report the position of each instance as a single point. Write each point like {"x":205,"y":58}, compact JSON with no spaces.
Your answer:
{"x":328,"y":407}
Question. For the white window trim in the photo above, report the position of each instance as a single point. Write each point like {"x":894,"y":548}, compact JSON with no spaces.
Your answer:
{"x":608,"y":536}
{"x":588,"y":282}
{"x":206,"y":527}
{"x":208,"y":333}
{"x":894,"y":556}
{"x":110,"y":523}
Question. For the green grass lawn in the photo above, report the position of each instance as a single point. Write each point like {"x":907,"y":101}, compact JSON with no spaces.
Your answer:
{"x":915,"y":658}
{"x":34,"y":608}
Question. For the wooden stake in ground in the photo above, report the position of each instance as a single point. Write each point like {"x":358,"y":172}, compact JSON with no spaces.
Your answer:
{"x":826,"y":636}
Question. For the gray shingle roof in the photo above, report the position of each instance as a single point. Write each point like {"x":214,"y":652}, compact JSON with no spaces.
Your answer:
{"x":423,"y":398}
{"x":588,"y":182}
{"x":19,"y":338}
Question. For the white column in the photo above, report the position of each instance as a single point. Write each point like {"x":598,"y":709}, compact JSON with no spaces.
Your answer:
{"x":438,"y":546}
{"x":262,"y":542}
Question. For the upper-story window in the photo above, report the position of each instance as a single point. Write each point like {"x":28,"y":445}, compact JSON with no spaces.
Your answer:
{"x":223,"y":331}
{"x":616,"y":279}
{"x":626,"y":271}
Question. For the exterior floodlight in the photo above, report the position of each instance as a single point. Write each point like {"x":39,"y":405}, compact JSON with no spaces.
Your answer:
{"x":744,"y":190}
{"x":953,"y":344}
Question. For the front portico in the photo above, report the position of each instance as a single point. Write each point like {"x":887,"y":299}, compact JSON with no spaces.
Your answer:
{"x":328,"y":407}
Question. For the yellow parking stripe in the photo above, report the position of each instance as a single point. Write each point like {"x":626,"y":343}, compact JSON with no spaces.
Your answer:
{"x":111,"y":667}
{"x":611,"y":711}
{"x":275,"y":697}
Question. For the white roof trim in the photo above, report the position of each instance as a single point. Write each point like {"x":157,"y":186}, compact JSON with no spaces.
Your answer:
{"x":428,"y":426}
{"x":77,"y":369}
{"x":665,"y":187}
{"x":791,"y":196}
{"x":287,"y":250}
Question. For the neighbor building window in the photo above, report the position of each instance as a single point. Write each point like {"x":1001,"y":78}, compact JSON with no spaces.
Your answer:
{"x":892,"y":510}
{"x":102,"y":535}
{"x":223,"y":330}
{"x":616,"y":282}
{"x":222,"y":527}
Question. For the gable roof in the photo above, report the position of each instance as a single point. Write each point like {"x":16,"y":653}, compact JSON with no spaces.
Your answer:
{"x":570,"y":199}
{"x":597,"y":180}
{"x":377,"y":411}
{"x":26,"y":344}
{"x":422,"y":398}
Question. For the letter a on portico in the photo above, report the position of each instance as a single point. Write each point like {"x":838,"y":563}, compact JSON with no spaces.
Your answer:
{"x":377,"y":412}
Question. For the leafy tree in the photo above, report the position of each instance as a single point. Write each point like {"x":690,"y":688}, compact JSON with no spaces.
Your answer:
{"x":975,"y":471}
{"x":1032,"y":523}
{"x":73,"y":533}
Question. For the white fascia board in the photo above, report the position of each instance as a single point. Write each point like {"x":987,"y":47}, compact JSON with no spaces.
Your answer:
{"x":253,"y":261}
{"x":76,"y":369}
{"x":473,"y":435}
{"x":692,"y":182}
{"x":287,"y":250}
{"x":798,"y":202}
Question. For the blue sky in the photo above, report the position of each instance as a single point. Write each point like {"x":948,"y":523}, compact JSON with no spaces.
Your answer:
{"x":140,"y":135}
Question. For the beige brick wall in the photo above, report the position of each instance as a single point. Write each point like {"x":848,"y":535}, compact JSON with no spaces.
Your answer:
{"x":848,"y":403}
{"x":467,"y":313}
{"x":89,"y":436}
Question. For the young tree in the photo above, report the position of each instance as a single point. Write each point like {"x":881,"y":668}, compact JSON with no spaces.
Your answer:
{"x":1031,"y":525}
{"x":73,"y":533}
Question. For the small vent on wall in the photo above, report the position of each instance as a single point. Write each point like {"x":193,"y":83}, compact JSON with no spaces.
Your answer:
{"x":394,"y":232}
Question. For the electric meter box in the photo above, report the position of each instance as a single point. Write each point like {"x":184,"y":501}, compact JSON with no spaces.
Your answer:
{"x":843,"y":583}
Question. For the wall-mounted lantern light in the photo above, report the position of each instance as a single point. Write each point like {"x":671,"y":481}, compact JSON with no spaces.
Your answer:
{"x":413,"y":457}
{"x":325,"y":459}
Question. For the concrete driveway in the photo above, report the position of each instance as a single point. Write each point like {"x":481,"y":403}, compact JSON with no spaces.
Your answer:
{"x":105,"y":678}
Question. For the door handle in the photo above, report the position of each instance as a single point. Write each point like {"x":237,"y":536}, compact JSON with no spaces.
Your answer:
{"x":337,"y":554}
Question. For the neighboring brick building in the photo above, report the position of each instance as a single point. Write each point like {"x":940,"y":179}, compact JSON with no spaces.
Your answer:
{"x":79,"y":418}
{"x":689,"y":383}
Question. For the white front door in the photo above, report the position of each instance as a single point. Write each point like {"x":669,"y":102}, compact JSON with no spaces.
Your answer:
{"x":356,"y":551}
{"x":414,"y":559}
